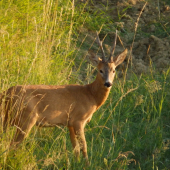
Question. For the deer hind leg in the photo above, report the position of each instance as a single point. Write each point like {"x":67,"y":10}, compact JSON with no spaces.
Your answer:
{"x":23,"y":129}
{"x":5,"y":123}
{"x":74,"y":142}
{"x":4,"y":118}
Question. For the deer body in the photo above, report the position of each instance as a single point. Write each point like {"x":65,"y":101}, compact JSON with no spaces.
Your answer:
{"x":55,"y":105}
{"x":68,"y":105}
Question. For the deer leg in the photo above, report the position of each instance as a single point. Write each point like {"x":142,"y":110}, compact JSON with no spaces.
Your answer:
{"x":79,"y":130}
{"x":23,"y":129}
{"x":5,"y":122}
{"x":74,"y":142}
{"x":4,"y":126}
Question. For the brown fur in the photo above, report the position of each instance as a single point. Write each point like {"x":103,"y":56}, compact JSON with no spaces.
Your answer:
{"x":68,"y":105}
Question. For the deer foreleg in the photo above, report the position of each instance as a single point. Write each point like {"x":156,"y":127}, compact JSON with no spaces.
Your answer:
{"x":79,"y":130}
{"x":74,"y":142}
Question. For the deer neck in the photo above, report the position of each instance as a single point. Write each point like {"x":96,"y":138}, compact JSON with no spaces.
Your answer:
{"x":99,"y":91}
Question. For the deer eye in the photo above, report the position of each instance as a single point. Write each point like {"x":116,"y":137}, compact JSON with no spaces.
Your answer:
{"x":101,"y":71}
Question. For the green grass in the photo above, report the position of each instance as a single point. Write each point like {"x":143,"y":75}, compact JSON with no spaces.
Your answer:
{"x":39,"y":45}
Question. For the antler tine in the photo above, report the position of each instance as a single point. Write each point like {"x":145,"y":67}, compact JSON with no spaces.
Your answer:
{"x":113,"y":48}
{"x":101,"y":47}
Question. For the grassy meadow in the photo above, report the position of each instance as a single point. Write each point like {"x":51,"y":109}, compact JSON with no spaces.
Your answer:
{"x":40,"y":44}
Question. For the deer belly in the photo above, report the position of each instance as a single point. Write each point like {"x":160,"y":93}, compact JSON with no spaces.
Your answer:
{"x":53,"y":120}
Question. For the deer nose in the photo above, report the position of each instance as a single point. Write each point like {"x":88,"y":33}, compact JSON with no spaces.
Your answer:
{"x":108,"y":84}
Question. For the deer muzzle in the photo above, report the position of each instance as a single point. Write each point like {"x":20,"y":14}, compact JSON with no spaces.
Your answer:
{"x":108,"y":84}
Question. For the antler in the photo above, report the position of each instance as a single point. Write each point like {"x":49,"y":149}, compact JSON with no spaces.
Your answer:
{"x":101,"y":47}
{"x":113,"y":48}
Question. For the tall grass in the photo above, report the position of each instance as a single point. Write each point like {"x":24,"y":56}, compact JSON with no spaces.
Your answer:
{"x":35,"y":41}
{"x":39,"y":43}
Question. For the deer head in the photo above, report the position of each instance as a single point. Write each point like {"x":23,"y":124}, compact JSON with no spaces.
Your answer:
{"x":106,"y":67}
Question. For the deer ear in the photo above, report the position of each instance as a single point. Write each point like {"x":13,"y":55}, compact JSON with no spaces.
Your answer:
{"x":94,"y":58}
{"x":120,"y":58}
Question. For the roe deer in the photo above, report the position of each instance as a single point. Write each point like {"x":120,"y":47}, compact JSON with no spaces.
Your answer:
{"x":68,"y":105}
